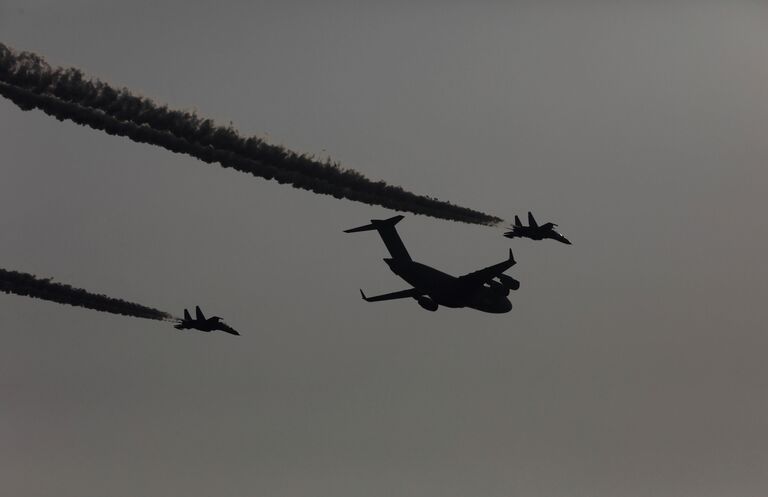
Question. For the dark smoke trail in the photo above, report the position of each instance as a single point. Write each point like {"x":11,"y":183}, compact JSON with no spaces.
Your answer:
{"x":61,"y":110}
{"x":32,"y":83}
{"x":42,"y":288}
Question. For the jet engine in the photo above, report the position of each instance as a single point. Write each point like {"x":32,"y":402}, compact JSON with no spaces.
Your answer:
{"x":499,"y":288}
{"x":509,"y":282}
{"x":427,"y":303}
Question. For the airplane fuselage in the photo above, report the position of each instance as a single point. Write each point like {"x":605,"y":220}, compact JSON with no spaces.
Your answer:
{"x":448,"y":290}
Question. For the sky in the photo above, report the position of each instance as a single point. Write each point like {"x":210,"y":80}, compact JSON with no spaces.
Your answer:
{"x":632,"y":363}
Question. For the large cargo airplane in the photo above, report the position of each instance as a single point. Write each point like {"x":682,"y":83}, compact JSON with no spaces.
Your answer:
{"x":485,"y":290}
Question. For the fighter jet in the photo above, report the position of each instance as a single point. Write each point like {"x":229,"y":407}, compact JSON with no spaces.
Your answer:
{"x":202,"y":323}
{"x":485,"y":290}
{"x":534,"y":231}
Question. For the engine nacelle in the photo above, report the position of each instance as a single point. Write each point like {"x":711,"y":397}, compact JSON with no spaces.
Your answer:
{"x":509,"y":282}
{"x":498,"y":288}
{"x":427,"y":303}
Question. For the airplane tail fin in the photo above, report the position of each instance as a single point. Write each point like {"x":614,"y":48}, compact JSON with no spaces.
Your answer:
{"x":199,"y":314}
{"x":187,"y":317}
{"x":388,"y":233}
{"x":531,"y":221}
{"x":517,"y":222}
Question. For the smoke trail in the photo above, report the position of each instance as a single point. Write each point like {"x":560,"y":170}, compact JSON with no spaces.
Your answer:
{"x":61,"y":110}
{"x":42,"y":288}
{"x":68,"y":94}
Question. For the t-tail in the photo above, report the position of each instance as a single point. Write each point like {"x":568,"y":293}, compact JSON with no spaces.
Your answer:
{"x":388,"y":233}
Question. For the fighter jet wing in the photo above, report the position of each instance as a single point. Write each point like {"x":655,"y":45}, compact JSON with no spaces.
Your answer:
{"x":402,"y":294}
{"x":485,"y":275}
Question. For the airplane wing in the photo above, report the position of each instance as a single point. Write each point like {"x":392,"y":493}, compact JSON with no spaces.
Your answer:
{"x":485,"y":275}
{"x":402,"y":294}
{"x":199,"y":316}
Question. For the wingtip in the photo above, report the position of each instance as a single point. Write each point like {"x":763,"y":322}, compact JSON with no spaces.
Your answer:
{"x":363,"y":295}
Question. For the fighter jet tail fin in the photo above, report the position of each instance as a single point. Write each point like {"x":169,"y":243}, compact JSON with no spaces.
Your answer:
{"x":187,"y":317}
{"x":388,"y":233}
{"x":199,"y":314}
{"x":531,"y":221}
{"x":517,"y":222}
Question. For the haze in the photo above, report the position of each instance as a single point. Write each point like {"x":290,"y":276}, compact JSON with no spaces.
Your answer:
{"x":632,"y":363}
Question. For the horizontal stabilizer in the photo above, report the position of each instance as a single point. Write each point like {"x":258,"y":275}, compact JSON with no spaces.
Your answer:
{"x":376,"y":224}
{"x":388,"y":234}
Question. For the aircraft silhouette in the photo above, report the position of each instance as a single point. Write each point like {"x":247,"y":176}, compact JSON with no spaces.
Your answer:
{"x":202,"y":323}
{"x":432,"y":288}
{"x":534,"y":231}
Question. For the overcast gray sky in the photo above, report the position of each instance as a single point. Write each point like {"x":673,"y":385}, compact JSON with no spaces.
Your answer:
{"x":632,"y":363}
